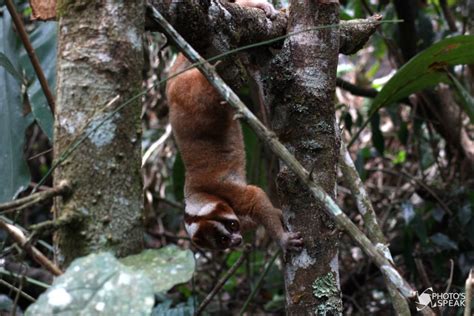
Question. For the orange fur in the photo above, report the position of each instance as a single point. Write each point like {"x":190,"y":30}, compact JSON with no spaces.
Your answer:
{"x":211,"y":145}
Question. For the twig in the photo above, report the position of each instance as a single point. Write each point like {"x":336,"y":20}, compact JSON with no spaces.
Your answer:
{"x":259,"y":282}
{"x":35,"y":198}
{"x":280,"y":150}
{"x":448,"y":15}
{"x":356,"y":90}
{"x":223,"y":280}
{"x":31,"y":53}
{"x":17,"y":296}
{"x":419,"y":182}
{"x":17,"y":290}
{"x":374,"y":232}
{"x":468,"y":300}
{"x":451,"y":273}
{"x":29,"y":280}
{"x":52,"y":225}
{"x":22,"y":241}
{"x":156,"y":144}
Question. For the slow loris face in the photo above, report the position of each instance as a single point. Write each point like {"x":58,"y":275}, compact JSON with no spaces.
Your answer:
{"x":214,"y":226}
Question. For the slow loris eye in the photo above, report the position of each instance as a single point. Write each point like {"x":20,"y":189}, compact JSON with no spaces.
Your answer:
{"x":224,"y":239}
{"x":232,"y":226}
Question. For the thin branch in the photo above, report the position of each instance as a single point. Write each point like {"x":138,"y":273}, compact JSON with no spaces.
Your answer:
{"x":280,"y":150}
{"x":35,"y":198}
{"x":259,"y":282}
{"x":38,"y":283}
{"x":223,"y":280}
{"x":53,"y":225}
{"x":31,"y":53}
{"x":374,"y":232}
{"x":469,"y":284}
{"x":156,"y":144}
{"x":17,"y":290}
{"x":448,"y":15}
{"x":356,"y":90}
{"x":18,"y":236}
{"x":420,"y":183}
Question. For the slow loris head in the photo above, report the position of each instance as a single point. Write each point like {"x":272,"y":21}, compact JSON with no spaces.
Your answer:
{"x":213,"y":226}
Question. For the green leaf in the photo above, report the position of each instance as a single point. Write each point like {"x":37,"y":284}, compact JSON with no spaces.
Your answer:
{"x":7,"y":64}
{"x":97,"y":285}
{"x":400,"y":158}
{"x":14,"y":174}
{"x":44,"y":41}
{"x":467,"y":101}
{"x":444,"y":242}
{"x":426,"y":69}
{"x":166,"y":266}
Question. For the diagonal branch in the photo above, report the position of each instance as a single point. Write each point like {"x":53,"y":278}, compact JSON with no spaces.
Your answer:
{"x":374,"y":232}
{"x":31,"y":53}
{"x":270,"y":139}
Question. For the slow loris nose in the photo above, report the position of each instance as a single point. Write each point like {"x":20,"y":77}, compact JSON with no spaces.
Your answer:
{"x":235,"y":241}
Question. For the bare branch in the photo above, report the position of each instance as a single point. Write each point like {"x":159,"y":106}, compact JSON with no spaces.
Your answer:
{"x":31,"y":53}
{"x":18,"y":236}
{"x":35,"y":198}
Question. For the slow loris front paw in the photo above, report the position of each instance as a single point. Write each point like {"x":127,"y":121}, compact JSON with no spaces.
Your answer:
{"x":291,"y":242}
{"x":268,"y":8}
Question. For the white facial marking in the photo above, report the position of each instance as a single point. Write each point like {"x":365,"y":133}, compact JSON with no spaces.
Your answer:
{"x":195,"y":207}
{"x":220,"y":227}
{"x":230,"y":216}
{"x":191,"y":229}
{"x":207,"y":209}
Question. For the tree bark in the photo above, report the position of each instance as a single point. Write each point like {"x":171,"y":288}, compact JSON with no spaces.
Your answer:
{"x":302,"y":79}
{"x":99,"y":58}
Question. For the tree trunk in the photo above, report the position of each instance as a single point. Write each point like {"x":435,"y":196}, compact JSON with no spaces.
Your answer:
{"x":99,"y":58}
{"x":301,"y":86}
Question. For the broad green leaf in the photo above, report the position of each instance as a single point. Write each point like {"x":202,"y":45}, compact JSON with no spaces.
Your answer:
{"x":426,"y":69}
{"x":7,"y":64}
{"x":166,"y":267}
{"x":14,"y":174}
{"x":97,"y":285}
{"x":44,"y":41}
{"x":467,"y":101}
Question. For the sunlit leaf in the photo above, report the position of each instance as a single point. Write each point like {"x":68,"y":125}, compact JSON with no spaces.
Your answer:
{"x":166,"y":267}
{"x":97,"y":285}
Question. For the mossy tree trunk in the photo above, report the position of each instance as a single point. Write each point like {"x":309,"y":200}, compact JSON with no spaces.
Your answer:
{"x":301,"y":84}
{"x":99,"y":58}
